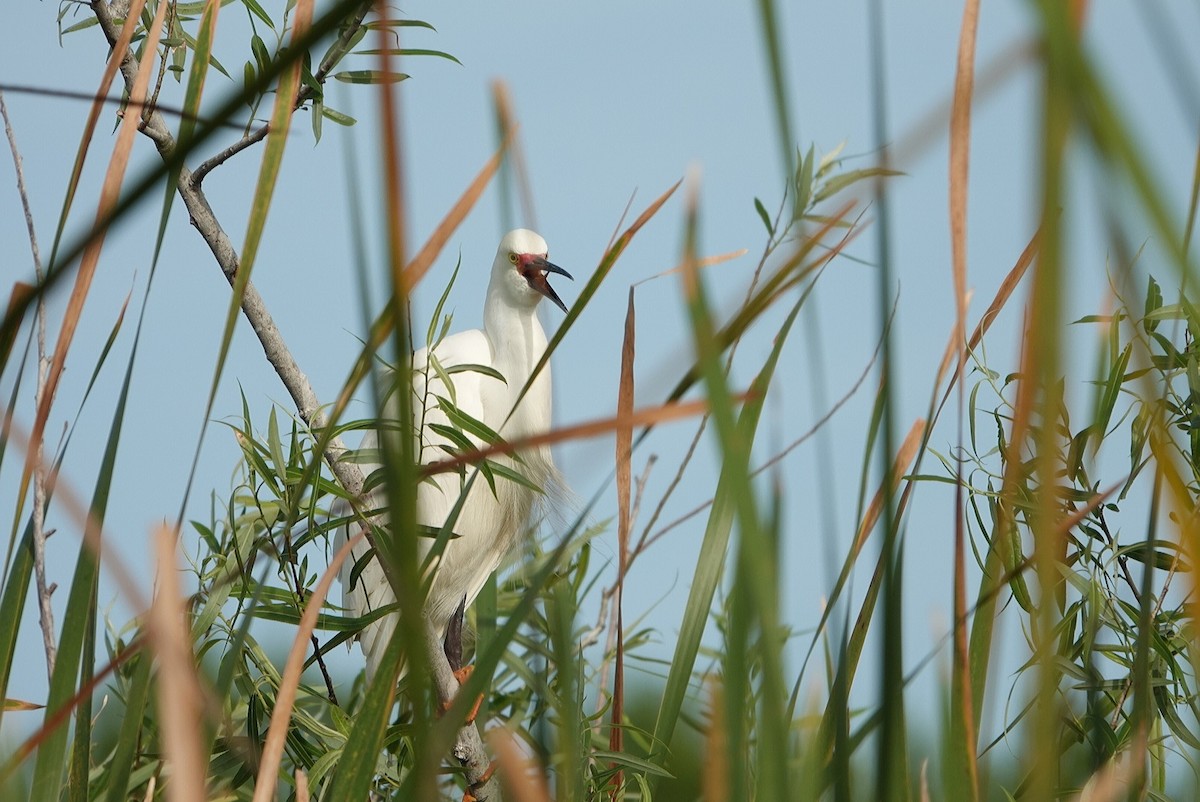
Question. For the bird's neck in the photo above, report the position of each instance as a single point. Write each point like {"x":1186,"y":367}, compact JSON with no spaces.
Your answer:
{"x":517,"y":338}
{"x":518,"y":343}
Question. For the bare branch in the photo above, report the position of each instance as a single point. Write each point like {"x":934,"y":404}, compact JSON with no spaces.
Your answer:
{"x":45,"y":610}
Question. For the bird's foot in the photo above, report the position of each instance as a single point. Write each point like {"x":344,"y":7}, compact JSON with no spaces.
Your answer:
{"x":462,"y":675}
{"x":469,"y":796}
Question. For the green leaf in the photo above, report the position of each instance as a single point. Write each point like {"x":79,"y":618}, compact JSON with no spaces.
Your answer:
{"x":1159,"y":557}
{"x":844,"y":180}
{"x":337,"y":116}
{"x":467,"y":423}
{"x":193,"y":44}
{"x":375,"y":25}
{"x":124,"y":755}
{"x":1107,"y":399}
{"x":407,"y":51}
{"x":430,"y":342}
{"x":318,"y":116}
{"x":456,"y":437}
{"x":259,"y":48}
{"x":484,"y":370}
{"x":249,"y":77}
{"x":254,"y":8}
{"x":627,"y":760}
{"x":369,"y":77}
{"x":86,"y":22}
{"x":766,"y":218}
{"x":503,"y":471}
{"x":804,"y":181}
{"x":275,"y":445}
{"x":1154,"y":301}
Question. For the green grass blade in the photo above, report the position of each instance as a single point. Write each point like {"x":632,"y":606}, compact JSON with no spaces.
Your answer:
{"x":131,"y":731}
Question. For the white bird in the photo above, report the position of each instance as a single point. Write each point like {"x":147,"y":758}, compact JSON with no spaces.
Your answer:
{"x":511,"y":343}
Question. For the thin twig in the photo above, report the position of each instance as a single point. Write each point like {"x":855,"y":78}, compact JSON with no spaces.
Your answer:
{"x":335,"y":55}
{"x":647,"y":542}
{"x":772,"y":243}
{"x":162,"y":62}
{"x":45,"y":610}
{"x":290,"y":561}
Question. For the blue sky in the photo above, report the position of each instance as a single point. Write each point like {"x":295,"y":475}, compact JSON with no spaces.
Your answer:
{"x":613,"y":99}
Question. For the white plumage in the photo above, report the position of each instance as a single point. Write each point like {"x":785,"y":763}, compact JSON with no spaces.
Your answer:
{"x":511,"y":342}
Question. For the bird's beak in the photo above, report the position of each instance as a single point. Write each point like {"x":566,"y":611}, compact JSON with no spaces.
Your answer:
{"x":537,"y":279}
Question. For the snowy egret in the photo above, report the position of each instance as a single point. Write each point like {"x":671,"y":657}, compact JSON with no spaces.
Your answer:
{"x":510,"y":343}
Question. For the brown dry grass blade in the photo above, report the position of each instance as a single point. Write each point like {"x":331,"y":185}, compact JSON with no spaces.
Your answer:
{"x":624,"y":523}
{"x":524,"y":780}
{"x":1007,"y":287}
{"x":707,"y":261}
{"x":1021,"y":425}
{"x":70,"y":502}
{"x":285,"y":697}
{"x":180,"y":698}
{"x":1061,"y":528}
{"x":110,"y":71}
{"x":19,"y":704}
{"x":393,"y":183}
{"x":516,"y":156}
{"x":992,"y":76}
{"x":1079,"y":10}
{"x":580,"y":431}
{"x":421,"y":263}
{"x":1182,"y":511}
{"x":644,"y":217}
{"x":110,"y":192}
{"x":301,"y":786}
{"x":62,"y":714}
{"x":1111,"y":782}
{"x":790,"y":273}
{"x":963,"y":726}
{"x":607,"y":262}
{"x":904,"y":457}
{"x":960,"y":154}
{"x":714,"y":778}
{"x":269,"y":169}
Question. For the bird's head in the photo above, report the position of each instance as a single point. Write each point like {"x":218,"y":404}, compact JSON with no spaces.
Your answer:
{"x":521,"y":269}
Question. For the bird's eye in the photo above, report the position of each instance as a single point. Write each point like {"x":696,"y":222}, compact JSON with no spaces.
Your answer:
{"x":512,"y":257}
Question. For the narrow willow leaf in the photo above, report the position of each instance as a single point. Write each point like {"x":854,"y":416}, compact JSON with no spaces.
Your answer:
{"x":848,"y":179}
{"x":408,"y":51}
{"x":764,"y":216}
{"x":254,"y":8}
{"x":370,"y":77}
{"x":483,"y":370}
{"x":336,"y":116}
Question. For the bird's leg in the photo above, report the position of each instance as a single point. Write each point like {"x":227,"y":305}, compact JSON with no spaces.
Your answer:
{"x":452,"y":643}
{"x":452,"y":646}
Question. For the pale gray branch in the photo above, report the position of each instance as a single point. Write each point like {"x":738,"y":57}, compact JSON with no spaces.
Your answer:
{"x":45,"y":610}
